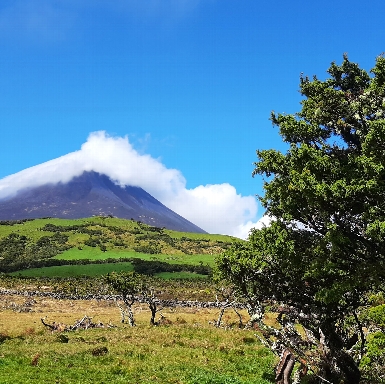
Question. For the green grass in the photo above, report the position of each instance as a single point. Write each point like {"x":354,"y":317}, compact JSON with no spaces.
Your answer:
{"x":197,"y":236}
{"x":118,"y":238}
{"x":31,"y":228}
{"x":93,"y":270}
{"x":75,"y":270}
{"x":179,"y":353}
{"x":94,"y":253}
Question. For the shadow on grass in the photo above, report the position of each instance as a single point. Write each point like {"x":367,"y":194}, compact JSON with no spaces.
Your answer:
{"x":269,"y":377}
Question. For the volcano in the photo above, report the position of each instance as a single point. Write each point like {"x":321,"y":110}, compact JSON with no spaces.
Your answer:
{"x":92,"y":194}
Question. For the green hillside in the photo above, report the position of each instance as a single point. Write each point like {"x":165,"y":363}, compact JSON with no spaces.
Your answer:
{"x":29,"y":245}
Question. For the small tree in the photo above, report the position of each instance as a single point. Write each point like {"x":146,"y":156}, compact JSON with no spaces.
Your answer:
{"x":325,"y":249}
{"x":226,"y":298}
{"x":128,"y":285}
{"x":134,"y":287}
{"x":149,"y":297}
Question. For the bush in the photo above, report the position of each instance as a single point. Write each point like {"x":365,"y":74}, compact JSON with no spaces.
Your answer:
{"x":151,"y":249}
{"x":373,"y":363}
{"x":376,"y":315}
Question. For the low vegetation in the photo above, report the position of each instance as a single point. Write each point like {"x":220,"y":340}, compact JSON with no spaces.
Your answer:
{"x":35,"y":247}
{"x":184,"y":349}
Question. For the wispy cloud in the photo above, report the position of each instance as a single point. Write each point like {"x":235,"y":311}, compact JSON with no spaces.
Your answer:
{"x":217,"y":208}
{"x":38,"y":21}
{"x":166,"y":9}
{"x":54,"y":20}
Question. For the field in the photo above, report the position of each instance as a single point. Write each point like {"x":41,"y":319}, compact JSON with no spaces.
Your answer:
{"x":69,"y":257}
{"x":33,"y":228}
{"x":58,"y":247}
{"x":96,"y":254}
{"x":186,"y":349}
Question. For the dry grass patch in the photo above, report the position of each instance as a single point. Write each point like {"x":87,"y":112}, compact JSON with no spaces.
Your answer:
{"x":19,"y":312}
{"x":186,"y":349}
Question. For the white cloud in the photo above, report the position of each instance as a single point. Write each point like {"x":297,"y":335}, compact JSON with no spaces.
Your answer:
{"x":264,"y":221}
{"x":215,"y":208}
{"x":243,"y":230}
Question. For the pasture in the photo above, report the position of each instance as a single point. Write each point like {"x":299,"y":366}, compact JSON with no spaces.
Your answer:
{"x":185,"y":349}
{"x":58,"y":247}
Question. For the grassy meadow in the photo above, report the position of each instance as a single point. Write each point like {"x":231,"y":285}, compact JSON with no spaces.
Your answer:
{"x":59,"y":247}
{"x":33,"y":228}
{"x":96,"y":254}
{"x":185,"y":349}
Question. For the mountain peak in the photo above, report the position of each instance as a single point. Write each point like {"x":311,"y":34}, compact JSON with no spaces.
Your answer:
{"x":92,"y":194}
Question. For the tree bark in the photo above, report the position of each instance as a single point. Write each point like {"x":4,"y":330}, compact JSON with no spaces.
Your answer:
{"x":153,"y":309}
{"x":348,"y":366}
{"x":338,"y":358}
{"x":285,"y":368}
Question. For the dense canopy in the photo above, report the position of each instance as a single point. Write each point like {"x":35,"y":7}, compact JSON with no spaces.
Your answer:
{"x":324,"y":251}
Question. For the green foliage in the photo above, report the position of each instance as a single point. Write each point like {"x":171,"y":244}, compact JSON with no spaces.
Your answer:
{"x":92,"y":242}
{"x":14,"y":222}
{"x":19,"y":251}
{"x":101,"y":266}
{"x":377,"y":299}
{"x":241,"y":267}
{"x":151,"y":248}
{"x":152,"y":267}
{"x":325,"y":250}
{"x":376,"y":315}
{"x":128,"y":285}
{"x":125,"y":283}
{"x":91,"y":270}
{"x":13,"y":248}
{"x":48,"y":242}
{"x":373,"y":364}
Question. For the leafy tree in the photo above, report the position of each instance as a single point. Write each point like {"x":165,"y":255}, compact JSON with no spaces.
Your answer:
{"x":148,"y":293}
{"x":134,"y":287}
{"x":13,"y":249}
{"x":325,"y":248}
{"x":128,"y":285}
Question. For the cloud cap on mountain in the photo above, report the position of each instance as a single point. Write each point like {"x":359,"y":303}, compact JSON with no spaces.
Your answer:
{"x":215,"y":208}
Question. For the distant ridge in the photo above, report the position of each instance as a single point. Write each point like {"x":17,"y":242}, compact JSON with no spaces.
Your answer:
{"x":92,"y":194}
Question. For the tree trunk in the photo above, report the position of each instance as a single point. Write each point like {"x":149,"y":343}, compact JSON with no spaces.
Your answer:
{"x":130,"y":314}
{"x":219,"y":321}
{"x":240,"y":318}
{"x":349,"y":368}
{"x":341,"y":367}
{"x":153,"y":312}
{"x":285,"y":368}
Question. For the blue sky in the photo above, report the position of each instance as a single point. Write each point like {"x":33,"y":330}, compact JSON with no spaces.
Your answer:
{"x":189,"y":82}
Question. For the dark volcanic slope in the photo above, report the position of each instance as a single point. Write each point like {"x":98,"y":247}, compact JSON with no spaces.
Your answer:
{"x":92,"y":194}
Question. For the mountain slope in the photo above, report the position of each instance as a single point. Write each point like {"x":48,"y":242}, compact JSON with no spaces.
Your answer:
{"x":92,"y":194}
